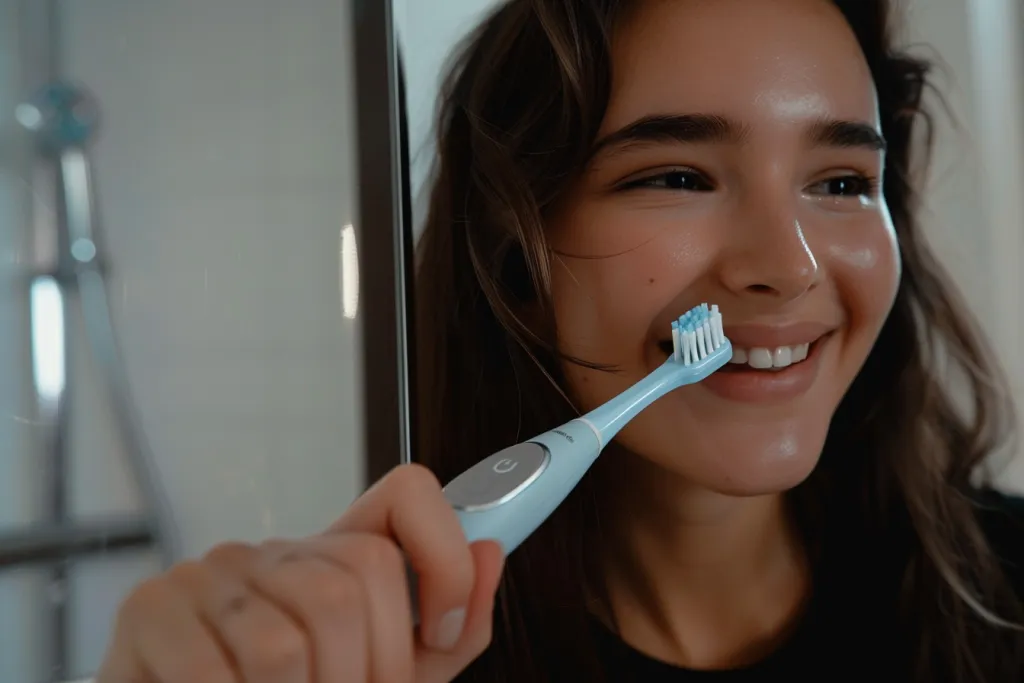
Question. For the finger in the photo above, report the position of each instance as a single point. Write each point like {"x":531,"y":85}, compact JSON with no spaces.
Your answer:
{"x":327,"y":599}
{"x":409,"y":506}
{"x":265,"y":643}
{"x":432,"y":665}
{"x":379,"y":566}
{"x":159,"y":637}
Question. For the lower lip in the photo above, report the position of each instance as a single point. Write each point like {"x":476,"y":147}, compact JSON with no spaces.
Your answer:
{"x":760,"y":386}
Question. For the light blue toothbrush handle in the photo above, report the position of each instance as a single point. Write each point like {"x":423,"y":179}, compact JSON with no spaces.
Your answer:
{"x":506,"y":496}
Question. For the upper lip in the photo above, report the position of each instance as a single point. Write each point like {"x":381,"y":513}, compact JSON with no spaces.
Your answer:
{"x":752,"y":336}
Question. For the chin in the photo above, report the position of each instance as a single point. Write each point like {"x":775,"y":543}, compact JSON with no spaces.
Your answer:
{"x":758,"y":478}
{"x":742,"y":456}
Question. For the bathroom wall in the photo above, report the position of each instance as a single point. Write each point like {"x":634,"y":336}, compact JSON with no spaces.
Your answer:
{"x":18,"y":612}
{"x":973,"y":205}
{"x":429,"y":30}
{"x":226,"y":173}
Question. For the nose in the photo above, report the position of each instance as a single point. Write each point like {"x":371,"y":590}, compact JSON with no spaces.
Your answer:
{"x":769,"y":257}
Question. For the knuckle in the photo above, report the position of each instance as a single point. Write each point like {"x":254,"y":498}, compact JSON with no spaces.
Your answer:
{"x":204,"y":670}
{"x":414,"y":476}
{"x":276,"y":651}
{"x":277,"y":551}
{"x":336,"y":594}
{"x":145,"y":599}
{"x":229,"y":553}
{"x":186,"y":572}
{"x":377,"y":554}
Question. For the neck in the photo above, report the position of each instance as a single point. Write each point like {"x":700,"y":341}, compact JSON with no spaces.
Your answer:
{"x":698,"y":578}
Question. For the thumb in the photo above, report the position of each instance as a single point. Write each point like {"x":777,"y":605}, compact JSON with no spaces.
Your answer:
{"x":433,"y":666}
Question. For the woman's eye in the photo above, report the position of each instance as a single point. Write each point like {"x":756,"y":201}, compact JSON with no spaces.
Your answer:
{"x":690,"y":181}
{"x":846,"y":186}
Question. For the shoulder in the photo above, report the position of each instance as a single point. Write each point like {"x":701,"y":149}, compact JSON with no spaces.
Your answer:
{"x":1001,"y":516}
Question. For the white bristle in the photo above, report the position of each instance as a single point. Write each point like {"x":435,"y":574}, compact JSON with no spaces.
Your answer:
{"x":697,"y":334}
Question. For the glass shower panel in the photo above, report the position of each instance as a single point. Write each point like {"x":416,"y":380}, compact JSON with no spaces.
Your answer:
{"x":179,"y":250}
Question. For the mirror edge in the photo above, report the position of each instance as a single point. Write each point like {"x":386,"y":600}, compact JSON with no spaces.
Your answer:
{"x":384,"y":239}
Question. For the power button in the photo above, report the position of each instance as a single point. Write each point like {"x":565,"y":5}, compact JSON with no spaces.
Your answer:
{"x":499,"y":478}
{"x":504,"y":466}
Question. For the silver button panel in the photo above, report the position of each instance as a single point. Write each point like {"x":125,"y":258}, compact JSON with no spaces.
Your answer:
{"x":498,"y":478}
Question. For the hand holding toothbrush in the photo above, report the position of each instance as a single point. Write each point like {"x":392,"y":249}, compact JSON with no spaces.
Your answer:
{"x":343,"y":605}
{"x":334,"y":607}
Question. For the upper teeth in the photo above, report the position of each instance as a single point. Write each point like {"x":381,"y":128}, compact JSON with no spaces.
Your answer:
{"x":761,"y":358}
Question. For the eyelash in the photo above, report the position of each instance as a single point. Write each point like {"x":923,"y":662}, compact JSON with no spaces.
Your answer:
{"x":681,"y":176}
{"x":863,"y":186}
{"x":689,"y":180}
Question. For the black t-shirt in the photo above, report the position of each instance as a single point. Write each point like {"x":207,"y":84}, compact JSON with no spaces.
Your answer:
{"x":805,"y":656}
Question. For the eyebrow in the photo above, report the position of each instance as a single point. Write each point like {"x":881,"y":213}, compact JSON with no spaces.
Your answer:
{"x":837,"y":133}
{"x":683,"y":128}
{"x":711,"y":128}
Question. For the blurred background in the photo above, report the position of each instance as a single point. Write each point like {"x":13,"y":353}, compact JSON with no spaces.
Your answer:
{"x":226,"y":183}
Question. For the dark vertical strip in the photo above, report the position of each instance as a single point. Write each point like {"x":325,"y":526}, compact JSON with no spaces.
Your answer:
{"x":408,"y":262}
{"x":379,"y":239}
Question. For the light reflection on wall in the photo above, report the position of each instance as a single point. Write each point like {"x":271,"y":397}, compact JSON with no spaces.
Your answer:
{"x":47,"y":338}
{"x":349,"y":275}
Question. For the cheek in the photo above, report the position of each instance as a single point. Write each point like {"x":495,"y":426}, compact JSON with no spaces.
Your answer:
{"x":595,"y":324}
{"x":865,"y":266}
{"x":602,"y":307}
{"x":607,"y":303}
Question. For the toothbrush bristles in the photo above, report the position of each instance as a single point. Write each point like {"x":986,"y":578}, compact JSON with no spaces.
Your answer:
{"x":697,"y":334}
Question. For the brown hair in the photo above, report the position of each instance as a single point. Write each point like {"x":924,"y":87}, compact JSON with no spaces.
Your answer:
{"x":889,"y":508}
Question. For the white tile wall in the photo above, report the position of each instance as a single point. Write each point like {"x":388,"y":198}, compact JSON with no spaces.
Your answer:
{"x":226,"y":171}
{"x":18,"y":589}
{"x":428,"y":31}
{"x":973,"y":205}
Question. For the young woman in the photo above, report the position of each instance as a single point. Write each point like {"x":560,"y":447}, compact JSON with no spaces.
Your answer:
{"x":604,"y":166}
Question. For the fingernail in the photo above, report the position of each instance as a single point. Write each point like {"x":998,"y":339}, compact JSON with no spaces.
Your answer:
{"x":449,"y":630}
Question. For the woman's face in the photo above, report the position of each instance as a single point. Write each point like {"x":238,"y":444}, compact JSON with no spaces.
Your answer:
{"x":739,"y":164}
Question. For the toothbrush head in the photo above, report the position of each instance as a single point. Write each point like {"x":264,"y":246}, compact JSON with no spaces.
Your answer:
{"x":699,"y":339}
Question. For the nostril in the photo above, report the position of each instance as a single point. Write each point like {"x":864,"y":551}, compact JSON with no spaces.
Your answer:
{"x":761,"y":289}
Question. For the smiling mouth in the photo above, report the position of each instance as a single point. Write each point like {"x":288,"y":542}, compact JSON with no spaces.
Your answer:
{"x":759,"y":358}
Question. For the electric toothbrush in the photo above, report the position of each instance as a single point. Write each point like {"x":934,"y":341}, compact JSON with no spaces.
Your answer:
{"x":507,"y":495}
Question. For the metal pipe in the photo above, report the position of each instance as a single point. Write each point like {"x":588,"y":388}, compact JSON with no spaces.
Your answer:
{"x":64,"y":119}
{"x":53,"y":543}
{"x":39,"y":45}
{"x":68,"y":267}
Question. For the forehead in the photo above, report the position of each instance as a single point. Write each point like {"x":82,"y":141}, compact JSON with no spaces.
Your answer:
{"x":759,"y":61}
